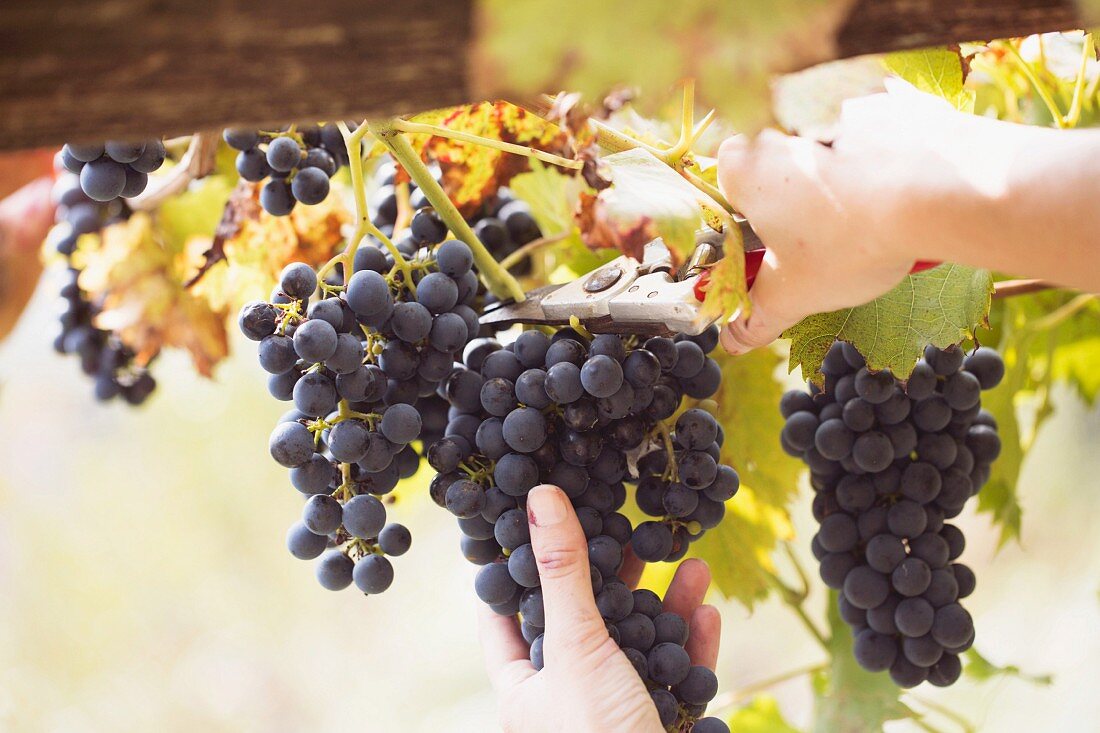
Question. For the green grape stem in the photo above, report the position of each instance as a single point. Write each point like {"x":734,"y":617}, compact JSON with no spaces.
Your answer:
{"x":499,"y":281}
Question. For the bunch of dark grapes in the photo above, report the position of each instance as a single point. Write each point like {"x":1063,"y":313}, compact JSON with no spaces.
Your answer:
{"x":578,"y":413}
{"x":503,"y":223}
{"x":116,"y":168}
{"x":356,"y":362}
{"x":890,"y":461}
{"x":103,"y":356}
{"x":297,"y":165}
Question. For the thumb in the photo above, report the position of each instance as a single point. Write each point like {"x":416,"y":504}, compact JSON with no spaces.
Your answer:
{"x":573,"y":625}
{"x":776,"y":306}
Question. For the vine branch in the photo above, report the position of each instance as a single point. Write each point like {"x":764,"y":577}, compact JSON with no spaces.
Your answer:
{"x":496,"y":278}
{"x":486,"y":142}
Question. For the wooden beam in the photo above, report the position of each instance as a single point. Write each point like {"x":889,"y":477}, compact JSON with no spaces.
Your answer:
{"x":94,"y":70}
{"x":877,"y":26}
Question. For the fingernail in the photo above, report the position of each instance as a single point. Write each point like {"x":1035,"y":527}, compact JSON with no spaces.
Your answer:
{"x":546,"y":506}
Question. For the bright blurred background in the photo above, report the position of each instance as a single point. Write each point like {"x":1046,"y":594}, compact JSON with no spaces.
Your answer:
{"x":145,"y":583}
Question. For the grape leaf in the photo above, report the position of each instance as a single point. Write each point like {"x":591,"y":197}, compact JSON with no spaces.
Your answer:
{"x":848,"y":697}
{"x":941,"y":306}
{"x":552,"y":197}
{"x":732,"y":49}
{"x":257,"y":245}
{"x":739,"y":549}
{"x":648,"y":199}
{"x":761,"y":715}
{"x":1043,"y":337}
{"x":472,"y":173}
{"x":136,"y":277}
{"x":981,"y":669}
{"x":937,"y":71}
{"x":808,"y":102}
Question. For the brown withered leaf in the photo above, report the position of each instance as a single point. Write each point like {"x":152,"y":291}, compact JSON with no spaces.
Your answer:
{"x":138,"y":283}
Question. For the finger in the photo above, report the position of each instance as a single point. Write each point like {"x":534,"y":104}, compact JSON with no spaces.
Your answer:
{"x":631,"y":571}
{"x":561,"y":553}
{"x":705,"y":633}
{"x":776,"y":305}
{"x":688,"y":588}
{"x":506,"y":653}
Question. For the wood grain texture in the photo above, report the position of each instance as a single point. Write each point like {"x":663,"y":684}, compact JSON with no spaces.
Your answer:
{"x":99,"y":69}
{"x":876,"y":26}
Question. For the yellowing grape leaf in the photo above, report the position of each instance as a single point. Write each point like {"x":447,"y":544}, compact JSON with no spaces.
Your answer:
{"x":138,"y":281}
{"x":725,"y":284}
{"x":251,"y":246}
{"x":473,"y":172}
{"x":761,"y":715}
{"x":941,"y":306}
{"x":732,"y":49}
{"x":936,"y":71}
{"x":739,"y":550}
{"x":848,"y":697}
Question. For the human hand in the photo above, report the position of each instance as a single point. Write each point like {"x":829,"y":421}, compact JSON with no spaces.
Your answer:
{"x":587,"y":683}
{"x":905,"y":175}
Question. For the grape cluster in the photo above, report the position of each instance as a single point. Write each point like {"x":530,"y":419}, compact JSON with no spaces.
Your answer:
{"x":103,"y":356}
{"x":297,"y":165}
{"x":356,"y":363}
{"x":890,"y":461}
{"x":116,"y":168}
{"x":578,"y":413}
{"x":503,"y":224}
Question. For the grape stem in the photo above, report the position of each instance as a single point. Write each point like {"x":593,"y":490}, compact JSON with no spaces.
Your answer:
{"x":198,"y":162}
{"x":420,"y":128}
{"x":1073,"y":116}
{"x":733,"y":697}
{"x":499,"y":281}
{"x":795,"y":600}
{"x":530,"y":248}
{"x":951,"y":715}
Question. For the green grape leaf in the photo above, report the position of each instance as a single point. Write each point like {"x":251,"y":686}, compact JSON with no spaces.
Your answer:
{"x":739,"y":550}
{"x":998,"y":497}
{"x":732,"y":49}
{"x":1075,"y":363}
{"x":1043,"y":337}
{"x":195,"y":212}
{"x":761,"y":715}
{"x":553,"y":197}
{"x":848,"y":697}
{"x":937,"y":71}
{"x":981,"y":669}
{"x":941,"y":306}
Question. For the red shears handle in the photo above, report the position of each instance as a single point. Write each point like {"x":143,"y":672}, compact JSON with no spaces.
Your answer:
{"x":754,"y":257}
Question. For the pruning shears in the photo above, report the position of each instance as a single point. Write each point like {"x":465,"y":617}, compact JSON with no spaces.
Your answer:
{"x":646,"y":298}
